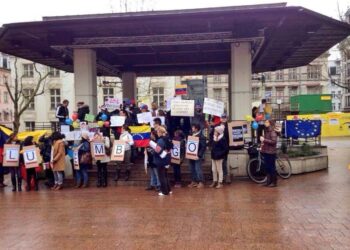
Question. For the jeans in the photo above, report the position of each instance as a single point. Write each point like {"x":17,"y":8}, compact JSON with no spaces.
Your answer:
{"x":154,"y":177}
{"x":164,"y":181}
{"x":58,"y":177}
{"x":216,"y":167}
{"x":177,"y":173}
{"x":270,"y":163}
{"x":82,"y":175}
{"x":15,"y":171}
{"x":196,"y":170}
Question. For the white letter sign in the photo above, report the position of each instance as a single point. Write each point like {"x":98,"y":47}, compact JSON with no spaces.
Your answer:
{"x":176,"y":153}
{"x":213,"y":107}
{"x":98,"y":150}
{"x":118,"y":151}
{"x":192,"y":148}
{"x":30,"y":157}
{"x":76,"y":159}
{"x":182,"y":108}
{"x":11,"y":155}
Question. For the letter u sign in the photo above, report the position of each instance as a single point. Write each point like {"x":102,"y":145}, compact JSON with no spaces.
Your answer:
{"x":30,"y":156}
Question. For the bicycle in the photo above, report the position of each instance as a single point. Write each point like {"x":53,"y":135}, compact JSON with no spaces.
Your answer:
{"x":255,"y":167}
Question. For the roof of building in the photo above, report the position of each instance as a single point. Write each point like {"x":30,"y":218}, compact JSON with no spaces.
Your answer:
{"x":178,"y":42}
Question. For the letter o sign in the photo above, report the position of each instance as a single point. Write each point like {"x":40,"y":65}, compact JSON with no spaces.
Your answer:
{"x":192,"y":147}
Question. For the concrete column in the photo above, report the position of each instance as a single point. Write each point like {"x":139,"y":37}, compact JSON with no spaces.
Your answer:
{"x":129,"y":85}
{"x":85,"y":79}
{"x":240,"y":81}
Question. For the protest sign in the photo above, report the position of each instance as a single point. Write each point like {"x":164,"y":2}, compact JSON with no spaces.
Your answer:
{"x":65,"y":129}
{"x":236,"y":131}
{"x":30,"y":156}
{"x":117,"y":121}
{"x":118,"y":151}
{"x":182,"y":108}
{"x":192,"y":146}
{"x":144,"y":118}
{"x":76,"y":159}
{"x":213,"y":107}
{"x":176,"y":153}
{"x":113,"y":104}
{"x":98,"y":150}
{"x":11,"y":155}
{"x":168,"y":101}
{"x":89,"y":118}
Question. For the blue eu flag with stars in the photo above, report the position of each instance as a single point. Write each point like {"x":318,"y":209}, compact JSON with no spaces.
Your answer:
{"x":303,"y":128}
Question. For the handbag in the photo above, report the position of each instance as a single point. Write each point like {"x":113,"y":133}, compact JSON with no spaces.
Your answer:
{"x":86,"y":158}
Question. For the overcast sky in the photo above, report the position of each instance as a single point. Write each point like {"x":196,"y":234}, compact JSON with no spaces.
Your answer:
{"x":24,"y":10}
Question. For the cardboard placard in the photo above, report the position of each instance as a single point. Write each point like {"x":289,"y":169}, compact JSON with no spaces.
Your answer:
{"x":65,"y":129}
{"x":76,"y":158}
{"x":11,"y":155}
{"x":168,"y":102}
{"x":98,"y":150}
{"x":192,"y":146}
{"x":182,"y":108}
{"x":118,"y":151}
{"x":236,"y":131}
{"x":113,"y":104}
{"x":176,"y":153}
{"x":117,"y":121}
{"x":144,"y":118}
{"x":30,"y":156}
{"x":213,"y":107}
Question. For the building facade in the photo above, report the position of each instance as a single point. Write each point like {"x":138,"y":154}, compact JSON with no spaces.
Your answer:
{"x":6,"y":105}
{"x":337,"y":92}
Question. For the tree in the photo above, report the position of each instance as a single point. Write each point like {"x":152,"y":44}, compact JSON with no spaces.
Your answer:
{"x":20,"y":98}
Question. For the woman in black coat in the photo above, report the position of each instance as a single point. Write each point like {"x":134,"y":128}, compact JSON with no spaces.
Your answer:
{"x":218,"y":153}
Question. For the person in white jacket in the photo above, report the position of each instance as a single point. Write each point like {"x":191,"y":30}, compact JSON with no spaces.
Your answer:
{"x":129,"y":141}
{"x":102,"y":173}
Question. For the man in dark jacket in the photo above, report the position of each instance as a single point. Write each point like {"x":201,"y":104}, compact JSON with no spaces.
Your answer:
{"x":82,"y":110}
{"x":62,"y":112}
{"x":196,"y":165}
{"x":45,"y":151}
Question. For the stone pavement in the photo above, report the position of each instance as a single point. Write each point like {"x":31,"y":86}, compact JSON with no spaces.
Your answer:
{"x":310,"y":211}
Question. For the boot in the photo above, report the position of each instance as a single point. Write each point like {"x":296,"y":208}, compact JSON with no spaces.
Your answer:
{"x":117,"y":175}
{"x":104,"y":178}
{"x":219,"y":185}
{"x":192,"y":184}
{"x":127,"y":175}
{"x":2,"y":185}
{"x":13,"y":180}
{"x":36,"y":187}
{"x":268,"y":180}
{"x":78,"y":185}
{"x":213,"y":184}
{"x":19,"y":184}
{"x":274,"y":181}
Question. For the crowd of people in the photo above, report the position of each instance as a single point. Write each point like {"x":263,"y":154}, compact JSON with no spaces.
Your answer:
{"x":212,"y":133}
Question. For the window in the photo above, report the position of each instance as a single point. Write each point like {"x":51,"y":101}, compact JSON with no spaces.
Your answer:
{"x":158,"y":96}
{"x":216,"y":78}
{"x":347,"y":101}
{"x":292,"y":74}
{"x":293,"y":91}
{"x":339,"y":106}
{"x":6,"y":79}
{"x":313,"y":90}
{"x":279,"y":93}
{"x":55,"y":98}
{"x":27,"y":93}
{"x":6,"y":116}
{"x":333,"y":106}
{"x":30,"y":126}
{"x":0,"y":116}
{"x":217,"y":93}
{"x":6,"y":97}
{"x":4,"y":63}
{"x":332,"y":71}
{"x":268,"y":94}
{"x":314,"y":72}
{"x":279,"y":75}
{"x":333,"y":94}
{"x":348,"y":70}
{"x":255,"y":93}
{"x":28,"y":70}
{"x":108,"y":93}
{"x":267,"y":76}
{"x":54,"y":72}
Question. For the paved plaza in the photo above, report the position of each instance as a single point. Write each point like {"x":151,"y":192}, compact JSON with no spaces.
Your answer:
{"x":310,"y":211}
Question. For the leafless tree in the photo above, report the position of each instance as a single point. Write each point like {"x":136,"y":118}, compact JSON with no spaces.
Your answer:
{"x":20,"y":98}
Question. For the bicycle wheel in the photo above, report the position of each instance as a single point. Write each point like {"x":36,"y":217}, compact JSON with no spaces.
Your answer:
{"x":283,"y":168}
{"x":256,"y":171}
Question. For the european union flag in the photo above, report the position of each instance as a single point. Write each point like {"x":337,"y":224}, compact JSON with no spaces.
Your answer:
{"x":303,"y":128}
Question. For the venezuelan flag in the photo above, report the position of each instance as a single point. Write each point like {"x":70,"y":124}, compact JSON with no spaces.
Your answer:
{"x":4,"y":135}
{"x":181,"y":89}
{"x":141,"y":135}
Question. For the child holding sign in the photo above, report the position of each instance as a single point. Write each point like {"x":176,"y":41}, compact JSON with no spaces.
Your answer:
{"x":31,"y":174}
{"x":16,"y":176}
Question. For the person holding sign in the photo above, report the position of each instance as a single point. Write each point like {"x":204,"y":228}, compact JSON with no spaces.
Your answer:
{"x":129,"y":142}
{"x":58,"y":160}
{"x":31,"y":173}
{"x":85,"y":161}
{"x":178,"y":155}
{"x":196,"y":161}
{"x":102,"y":173}
{"x":218,"y":152}
{"x":162,"y":159}
{"x":16,"y":175}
